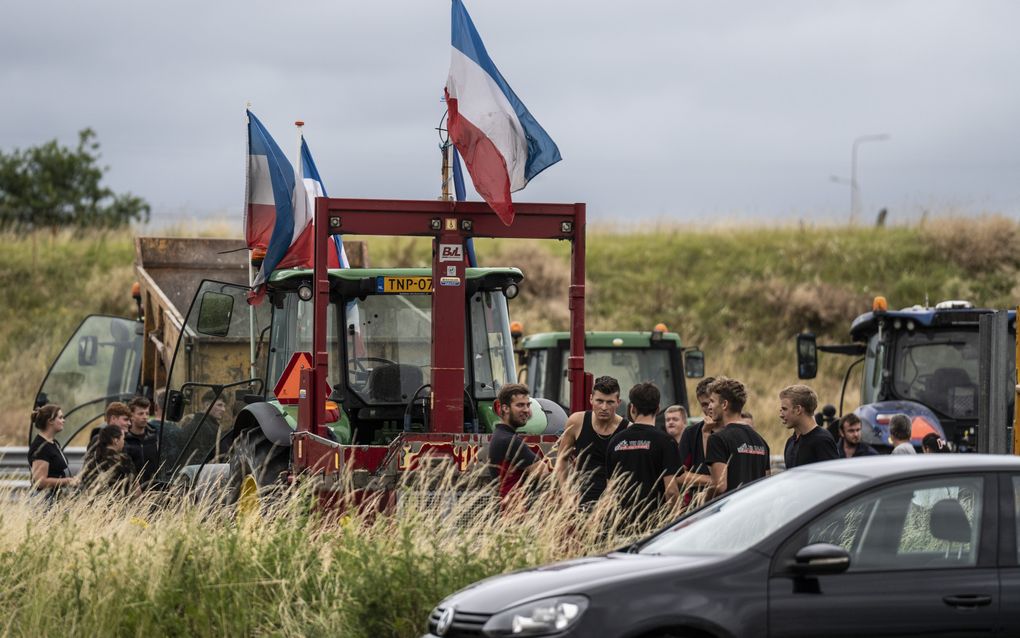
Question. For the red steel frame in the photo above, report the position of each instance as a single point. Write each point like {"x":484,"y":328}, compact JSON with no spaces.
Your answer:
{"x":448,"y":223}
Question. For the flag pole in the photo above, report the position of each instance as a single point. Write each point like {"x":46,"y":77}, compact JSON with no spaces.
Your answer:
{"x":447,"y":165}
{"x":251,"y":270}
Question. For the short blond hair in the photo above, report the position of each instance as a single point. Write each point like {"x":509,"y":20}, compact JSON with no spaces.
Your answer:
{"x":800,"y":395}
{"x":677,"y":408}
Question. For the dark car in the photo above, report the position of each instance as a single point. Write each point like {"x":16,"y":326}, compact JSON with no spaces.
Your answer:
{"x":872,"y":546}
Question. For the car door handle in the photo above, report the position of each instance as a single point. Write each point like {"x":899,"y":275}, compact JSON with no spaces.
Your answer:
{"x":967,"y":601}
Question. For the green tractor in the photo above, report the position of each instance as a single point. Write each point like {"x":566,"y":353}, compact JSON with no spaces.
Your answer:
{"x":630,"y":357}
{"x":230,"y":370}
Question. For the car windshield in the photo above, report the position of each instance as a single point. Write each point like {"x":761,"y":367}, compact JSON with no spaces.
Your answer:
{"x":745,"y":517}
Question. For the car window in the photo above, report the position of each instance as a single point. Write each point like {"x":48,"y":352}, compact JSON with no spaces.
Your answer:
{"x":929,"y":524}
{"x":1016,"y":511}
{"x":744,"y":517}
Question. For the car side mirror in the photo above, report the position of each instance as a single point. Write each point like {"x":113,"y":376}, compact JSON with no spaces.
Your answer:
{"x":820,"y":558}
{"x":214,"y":314}
{"x":88,"y":350}
{"x":807,"y":356}
{"x":694,"y":363}
{"x":174,"y":406}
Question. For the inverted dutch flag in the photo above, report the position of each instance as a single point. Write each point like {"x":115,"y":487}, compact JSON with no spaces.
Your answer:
{"x":503,"y":145}
{"x":272,"y":195}
{"x":315,"y":188}
{"x":300,"y":253}
{"x":270,"y":184}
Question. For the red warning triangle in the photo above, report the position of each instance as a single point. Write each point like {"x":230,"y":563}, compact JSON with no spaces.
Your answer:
{"x":288,"y":388}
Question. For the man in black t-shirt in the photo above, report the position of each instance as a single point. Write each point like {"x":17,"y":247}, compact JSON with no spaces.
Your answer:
{"x":850,"y":444}
{"x":736,"y":454}
{"x":643,"y":456}
{"x":809,"y":442}
{"x":510,"y":459}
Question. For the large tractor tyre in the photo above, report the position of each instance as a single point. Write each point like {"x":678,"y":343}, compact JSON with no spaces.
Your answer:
{"x":258,"y":471}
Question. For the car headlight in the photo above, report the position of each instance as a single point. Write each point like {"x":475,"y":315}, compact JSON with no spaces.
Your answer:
{"x":537,"y":618}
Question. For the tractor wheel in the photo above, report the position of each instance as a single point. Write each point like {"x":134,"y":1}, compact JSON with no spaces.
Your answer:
{"x":257,"y":472}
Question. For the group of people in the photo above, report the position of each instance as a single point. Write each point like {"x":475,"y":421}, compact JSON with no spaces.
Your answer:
{"x":655,"y":466}
{"x":669,"y":466}
{"x":121,"y":453}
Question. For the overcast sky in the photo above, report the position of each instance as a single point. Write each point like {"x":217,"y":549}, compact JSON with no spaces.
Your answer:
{"x":663,"y":110}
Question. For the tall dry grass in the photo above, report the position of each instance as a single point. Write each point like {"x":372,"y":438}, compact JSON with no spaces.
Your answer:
{"x":168,"y":566}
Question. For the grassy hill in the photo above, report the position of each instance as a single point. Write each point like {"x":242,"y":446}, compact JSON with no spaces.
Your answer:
{"x":741,"y":293}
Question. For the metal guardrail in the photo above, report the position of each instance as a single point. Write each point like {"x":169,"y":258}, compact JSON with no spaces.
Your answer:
{"x":14,"y":461}
{"x":15,"y":474}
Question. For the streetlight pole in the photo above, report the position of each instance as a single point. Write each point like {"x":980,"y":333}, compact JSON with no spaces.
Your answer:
{"x":854,"y":185}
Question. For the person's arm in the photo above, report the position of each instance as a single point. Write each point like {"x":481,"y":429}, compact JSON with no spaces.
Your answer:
{"x":718,"y":483}
{"x":565,"y":447}
{"x":717,"y":456}
{"x":673,"y":468}
{"x":692,"y":479}
{"x":524,"y":460}
{"x":672,"y":491}
{"x":40,"y":469}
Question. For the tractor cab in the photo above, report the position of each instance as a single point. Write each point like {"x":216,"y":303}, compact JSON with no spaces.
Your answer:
{"x":379,"y":340}
{"x":919,"y":361}
{"x":630,"y":357}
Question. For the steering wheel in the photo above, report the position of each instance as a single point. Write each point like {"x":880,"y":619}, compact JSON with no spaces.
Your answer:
{"x":358,"y":372}
{"x":357,"y":361}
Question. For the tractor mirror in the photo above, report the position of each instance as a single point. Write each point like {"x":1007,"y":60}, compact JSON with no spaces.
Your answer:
{"x":694,"y":363}
{"x":88,"y":350}
{"x":174,"y":406}
{"x":214,"y":314}
{"x":807,"y":356}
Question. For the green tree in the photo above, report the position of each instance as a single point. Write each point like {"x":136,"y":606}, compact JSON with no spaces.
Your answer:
{"x":50,"y":186}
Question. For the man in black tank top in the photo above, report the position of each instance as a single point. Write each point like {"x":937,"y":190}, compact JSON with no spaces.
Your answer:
{"x":585,"y":441}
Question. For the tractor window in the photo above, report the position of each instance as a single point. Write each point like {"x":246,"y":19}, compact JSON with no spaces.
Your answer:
{"x":873,"y":362}
{"x":492,"y":346}
{"x":939,"y":369}
{"x":389,"y":341}
{"x":630,"y":366}
{"x":292,"y":332}
{"x":537,"y":369}
{"x":99,"y":364}
{"x":210,"y":374}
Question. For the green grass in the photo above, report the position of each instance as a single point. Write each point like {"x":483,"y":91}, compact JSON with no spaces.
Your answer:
{"x":49,"y":283}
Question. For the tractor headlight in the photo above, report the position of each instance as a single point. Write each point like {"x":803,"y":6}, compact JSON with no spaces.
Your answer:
{"x":537,"y":618}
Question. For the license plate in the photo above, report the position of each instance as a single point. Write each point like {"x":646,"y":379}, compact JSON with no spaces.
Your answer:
{"x":404,"y":285}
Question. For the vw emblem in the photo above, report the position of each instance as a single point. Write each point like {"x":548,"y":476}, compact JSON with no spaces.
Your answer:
{"x":445,"y":620}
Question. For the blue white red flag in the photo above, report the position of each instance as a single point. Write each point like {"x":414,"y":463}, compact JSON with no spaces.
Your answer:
{"x":503,"y":145}
{"x":315,"y":188}
{"x":274,"y":203}
{"x":270,"y":183}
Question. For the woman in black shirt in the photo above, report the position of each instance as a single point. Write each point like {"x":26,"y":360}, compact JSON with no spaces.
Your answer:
{"x":47,"y":461}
